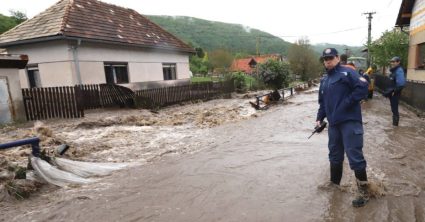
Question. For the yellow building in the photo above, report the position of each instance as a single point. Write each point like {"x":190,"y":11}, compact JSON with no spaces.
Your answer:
{"x":412,"y":15}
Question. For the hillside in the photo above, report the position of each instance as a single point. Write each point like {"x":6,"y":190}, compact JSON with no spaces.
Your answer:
{"x":211,"y":35}
{"x":353,"y":50}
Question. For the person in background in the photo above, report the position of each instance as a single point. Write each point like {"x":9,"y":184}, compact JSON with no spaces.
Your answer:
{"x":369,"y":73}
{"x":343,"y":59}
{"x":351,"y":65}
{"x":366,"y":76}
{"x":397,"y":84}
{"x":340,"y":93}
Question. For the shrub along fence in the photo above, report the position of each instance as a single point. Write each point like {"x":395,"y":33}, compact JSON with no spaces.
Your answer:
{"x":71,"y":101}
{"x":412,"y":94}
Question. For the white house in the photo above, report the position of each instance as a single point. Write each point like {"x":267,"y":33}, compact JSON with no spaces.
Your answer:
{"x":92,"y":42}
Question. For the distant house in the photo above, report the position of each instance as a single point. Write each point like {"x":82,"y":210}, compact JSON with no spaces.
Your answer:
{"x":249,"y":65}
{"x":412,"y":15}
{"x":91,"y":42}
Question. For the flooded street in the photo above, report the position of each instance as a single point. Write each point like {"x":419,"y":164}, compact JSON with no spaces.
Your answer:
{"x":254,"y":169}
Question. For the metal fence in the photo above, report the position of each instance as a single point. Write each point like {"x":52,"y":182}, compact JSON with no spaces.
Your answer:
{"x":413,"y":93}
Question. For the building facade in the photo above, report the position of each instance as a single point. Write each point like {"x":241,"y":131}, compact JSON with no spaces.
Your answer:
{"x":412,"y":15}
{"x":91,"y":42}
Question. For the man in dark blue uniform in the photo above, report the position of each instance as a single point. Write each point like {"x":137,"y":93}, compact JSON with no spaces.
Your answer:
{"x":397,"y":84}
{"x":340,"y":93}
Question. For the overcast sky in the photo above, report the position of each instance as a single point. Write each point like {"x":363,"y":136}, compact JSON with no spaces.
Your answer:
{"x":332,"y":21}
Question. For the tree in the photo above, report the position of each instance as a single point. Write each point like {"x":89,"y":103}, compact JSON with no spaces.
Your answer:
{"x":303,"y":60}
{"x":274,"y":74}
{"x":18,"y":16}
{"x":200,"y":52}
{"x":197,"y":65}
{"x":199,"y":62}
{"x":8,"y":22}
{"x":220,"y":58}
{"x":390,"y":44}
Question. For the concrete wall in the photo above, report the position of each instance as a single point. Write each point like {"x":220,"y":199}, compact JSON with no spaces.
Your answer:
{"x":56,"y":62}
{"x":12,"y":75}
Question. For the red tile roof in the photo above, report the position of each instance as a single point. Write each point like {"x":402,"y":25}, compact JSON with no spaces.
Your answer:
{"x":242,"y":65}
{"x":94,"y":21}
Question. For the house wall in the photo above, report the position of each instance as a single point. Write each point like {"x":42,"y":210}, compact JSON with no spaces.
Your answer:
{"x":417,"y":36}
{"x":412,"y":72}
{"x":12,"y":75}
{"x":143,"y":64}
{"x":56,"y":62}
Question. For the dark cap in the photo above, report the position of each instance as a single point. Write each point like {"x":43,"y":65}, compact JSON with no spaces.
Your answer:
{"x":329,"y":52}
{"x":395,"y":59}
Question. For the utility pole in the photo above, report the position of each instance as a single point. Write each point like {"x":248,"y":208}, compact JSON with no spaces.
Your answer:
{"x":369,"y":36}
{"x":258,"y":46}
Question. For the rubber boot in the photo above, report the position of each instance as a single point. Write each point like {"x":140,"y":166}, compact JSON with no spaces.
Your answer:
{"x":336,"y":173}
{"x":395,"y":120}
{"x":362,"y":185}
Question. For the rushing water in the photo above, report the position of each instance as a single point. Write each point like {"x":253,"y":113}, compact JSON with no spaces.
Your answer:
{"x":261,"y":169}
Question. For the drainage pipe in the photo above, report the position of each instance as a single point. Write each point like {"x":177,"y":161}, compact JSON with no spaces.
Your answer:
{"x":34,"y":142}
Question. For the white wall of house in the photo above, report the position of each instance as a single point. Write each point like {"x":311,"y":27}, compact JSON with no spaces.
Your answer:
{"x":144,"y":64}
{"x":17,"y":108}
{"x":55,"y":60}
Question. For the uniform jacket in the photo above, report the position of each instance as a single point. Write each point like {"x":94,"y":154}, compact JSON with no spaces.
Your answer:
{"x":397,"y":78}
{"x":340,"y":93}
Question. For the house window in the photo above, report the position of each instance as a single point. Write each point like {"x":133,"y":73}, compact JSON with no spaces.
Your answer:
{"x":421,"y":56}
{"x":116,"y":73}
{"x":169,"y":71}
{"x":33,"y":76}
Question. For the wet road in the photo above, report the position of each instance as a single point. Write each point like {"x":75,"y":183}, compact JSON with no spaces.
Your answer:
{"x":262,"y":169}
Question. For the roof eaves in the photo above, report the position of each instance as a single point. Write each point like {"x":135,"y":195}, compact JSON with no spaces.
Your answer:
{"x":130,"y":44}
{"x":29,"y":41}
{"x":406,"y":8}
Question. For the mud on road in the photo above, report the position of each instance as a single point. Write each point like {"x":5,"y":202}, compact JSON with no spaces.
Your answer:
{"x":258,"y":169}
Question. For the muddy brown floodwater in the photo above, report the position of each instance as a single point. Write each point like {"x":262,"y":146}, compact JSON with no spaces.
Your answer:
{"x":257,"y":169}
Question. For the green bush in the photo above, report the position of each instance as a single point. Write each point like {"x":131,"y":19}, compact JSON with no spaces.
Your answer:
{"x":274,"y":74}
{"x":239,"y":80}
{"x":244,"y":82}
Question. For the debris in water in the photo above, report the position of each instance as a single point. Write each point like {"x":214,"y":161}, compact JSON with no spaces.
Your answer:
{"x":87,"y":169}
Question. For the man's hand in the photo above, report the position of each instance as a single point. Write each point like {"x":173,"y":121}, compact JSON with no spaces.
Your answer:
{"x":318,"y":122}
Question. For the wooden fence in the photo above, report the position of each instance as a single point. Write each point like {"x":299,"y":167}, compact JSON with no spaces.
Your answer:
{"x":52,"y":102}
{"x":71,"y":101}
{"x":105,"y":95}
{"x":150,"y":98}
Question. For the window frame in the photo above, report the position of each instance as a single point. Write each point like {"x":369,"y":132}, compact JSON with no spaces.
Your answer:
{"x":171,"y":66}
{"x":35,"y":80}
{"x":114,"y":65}
{"x":419,"y":57}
